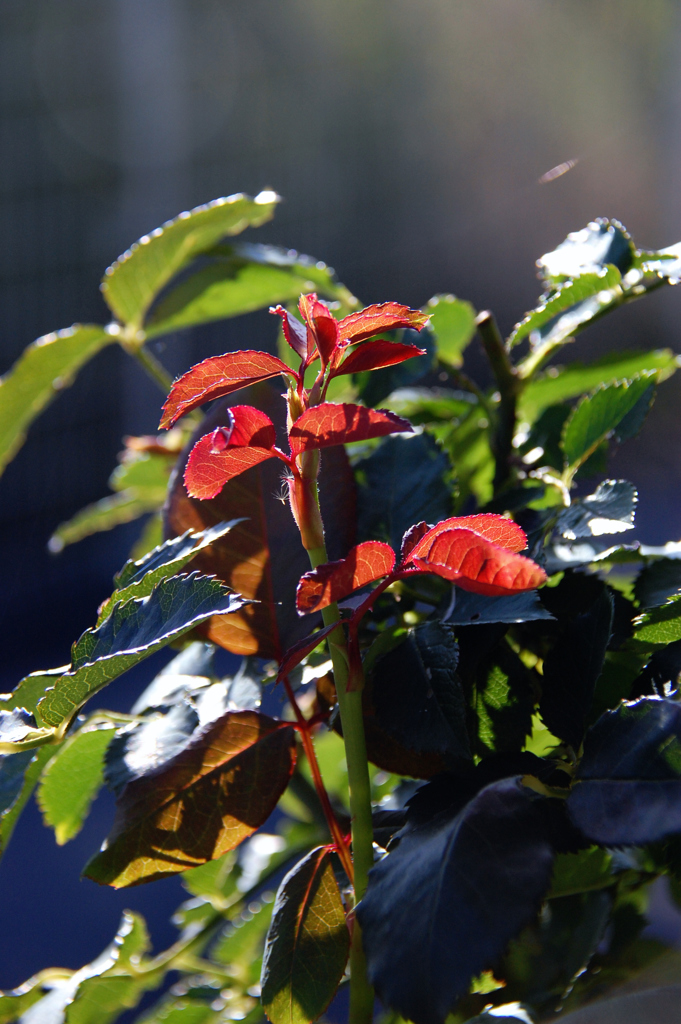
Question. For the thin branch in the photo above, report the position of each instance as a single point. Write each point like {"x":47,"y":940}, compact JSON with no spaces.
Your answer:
{"x":509,"y":385}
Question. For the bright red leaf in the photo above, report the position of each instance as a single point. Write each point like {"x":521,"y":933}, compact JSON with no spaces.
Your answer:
{"x":497,"y":529}
{"x":294,"y":332}
{"x":476,"y":564}
{"x":216,"y":377}
{"x":229,"y":451}
{"x":330,"y":423}
{"x":333,"y":581}
{"x":322,"y":325}
{"x":411,"y":538}
{"x":295,"y":654}
{"x":374,"y":354}
{"x":375,"y":319}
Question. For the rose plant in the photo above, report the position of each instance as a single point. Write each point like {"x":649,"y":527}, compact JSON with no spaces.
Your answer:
{"x":469,"y":770}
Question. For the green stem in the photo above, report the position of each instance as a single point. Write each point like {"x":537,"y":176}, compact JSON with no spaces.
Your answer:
{"x":510,"y":386}
{"x":151,"y":366}
{"x":352,"y":722}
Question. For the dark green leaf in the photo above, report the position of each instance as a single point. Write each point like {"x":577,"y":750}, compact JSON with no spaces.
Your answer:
{"x":504,"y":703}
{"x":31,"y":774}
{"x":571,"y":671}
{"x":12,"y":770}
{"x":658,"y":582}
{"x":132,"y":283}
{"x":600,"y":243}
{"x":72,"y":779}
{"x":542,"y":446}
{"x":417,"y":696}
{"x":580,"y":872}
{"x":563,"y":382}
{"x":405,"y":481}
{"x":632,"y":423}
{"x":191,"y":668}
{"x":45,"y":368}
{"x":199,"y":805}
{"x":628,"y":788}
{"x":375,"y":386}
{"x":143,"y":747}
{"x":598,"y":415}
{"x":453,"y":323}
{"x":443,"y":904}
{"x":307,"y":944}
{"x":132,"y":632}
{"x":561,"y":313}
{"x":240,"y":279}
{"x":660,"y":625}
{"x":470,"y":609}
{"x":610,"y":509}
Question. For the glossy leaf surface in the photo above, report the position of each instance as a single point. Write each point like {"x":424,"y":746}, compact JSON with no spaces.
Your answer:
{"x":373,"y":320}
{"x":335,"y":580}
{"x":597,"y":415}
{"x":600,"y":243}
{"x":371,"y":355}
{"x":474,"y":563}
{"x":215,"y":460}
{"x":562,"y":312}
{"x":332,"y":423}
{"x":44,"y":369}
{"x":441,"y":907}
{"x":610,"y":509}
{"x":132,"y":283}
{"x":660,"y":625}
{"x":131,"y":633}
{"x":470,"y":609}
{"x":453,"y":323}
{"x":202,"y":803}
{"x":572,"y":668}
{"x":307,"y":943}
{"x":71,"y":781}
{"x":217,"y":377}
{"x":628,"y":788}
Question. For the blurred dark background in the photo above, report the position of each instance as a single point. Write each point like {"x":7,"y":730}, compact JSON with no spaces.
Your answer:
{"x":407,"y":140}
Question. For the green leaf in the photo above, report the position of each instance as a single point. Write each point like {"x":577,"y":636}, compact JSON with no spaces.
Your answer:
{"x":72,"y":779}
{"x":599,"y":414}
{"x":581,"y":872}
{"x":138,"y":578}
{"x":202,"y":803}
{"x":240,"y":279}
{"x":45,"y":368}
{"x":131,"y":633}
{"x":600,"y":243}
{"x":132,"y":283}
{"x":453,"y":323}
{"x":660,"y":625}
{"x":658,"y":582}
{"x":562,"y":382}
{"x":307,"y":944}
{"x":504,"y":703}
{"x":561,"y":313}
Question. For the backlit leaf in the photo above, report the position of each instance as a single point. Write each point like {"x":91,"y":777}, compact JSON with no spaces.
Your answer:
{"x":375,"y":386}
{"x":228,"y":452}
{"x":494,"y":528}
{"x":628,"y":788}
{"x":453,"y":323}
{"x":562,"y":312}
{"x":474,"y":563}
{"x":217,"y":791}
{"x":217,"y":377}
{"x":371,"y":355}
{"x":45,"y":368}
{"x":660,"y":625}
{"x":335,"y":580}
{"x":600,"y":243}
{"x":263,"y":557}
{"x":599,"y":414}
{"x":441,"y":907}
{"x":504,"y":702}
{"x":307,"y":943}
{"x":373,"y":320}
{"x":131,"y":633}
{"x":331,"y":423}
{"x":132,"y":283}
{"x":72,"y":779}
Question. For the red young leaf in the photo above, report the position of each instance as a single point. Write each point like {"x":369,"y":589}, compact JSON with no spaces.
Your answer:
{"x":323,"y":326}
{"x":294,"y":332}
{"x":219,"y":376}
{"x":335,"y":580}
{"x":331,"y":423}
{"x":200,"y":804}
{"x":374,"y":354}
{"x":476,"y":564}
{"x":412,"y":537}
{"x":375,"y":319}
{"x":295,"y":654}
{"x":229,"y":451}
{"x":494,"y":528}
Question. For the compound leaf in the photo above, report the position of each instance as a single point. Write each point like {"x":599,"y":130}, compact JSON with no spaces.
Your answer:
{"x":71,"y":781}
{"x":307,"y":944}
{"x":132,"y":632}
{"x":132,"y":283}
{"x":199,"y":805}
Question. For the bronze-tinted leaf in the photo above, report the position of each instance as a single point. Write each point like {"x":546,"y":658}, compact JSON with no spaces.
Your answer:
{"x":263,"y":557}
{"x":205,"y":801}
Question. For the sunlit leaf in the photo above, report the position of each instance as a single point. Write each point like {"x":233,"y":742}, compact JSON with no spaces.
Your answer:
{"x":453,"y":323}
{"x":563,"y":311}
{"x":660,"y":625}
{"x":610,"y":509}
{"x":599,"y":414}
{"x":132,"y":283}
{"x":335,"y":580}
{"x":72,"y":779}
{"x":131,"y":633}
{"x":474,"y":563}
{"x":213,"y":794}
{"x":330,"y":424}
{"x":373,"y":320}
{"x":498,"y":530}
{"x":371,"y":355}
{"x":504,"y":702}
{"x":228,"y":452}
{"x":375,"y":385}
{"x":307,"y":943}
{"x":45,"y":368}
{"x":600,"y":243}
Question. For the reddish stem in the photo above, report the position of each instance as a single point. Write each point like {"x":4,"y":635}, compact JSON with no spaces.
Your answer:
{"x":341,"y":845}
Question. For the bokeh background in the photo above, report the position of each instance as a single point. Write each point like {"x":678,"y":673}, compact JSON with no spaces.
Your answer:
{"x":408,"y":141}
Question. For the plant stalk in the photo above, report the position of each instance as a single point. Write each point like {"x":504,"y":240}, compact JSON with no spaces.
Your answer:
{"x":151,"y":366}
{"x":510,"y":386}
